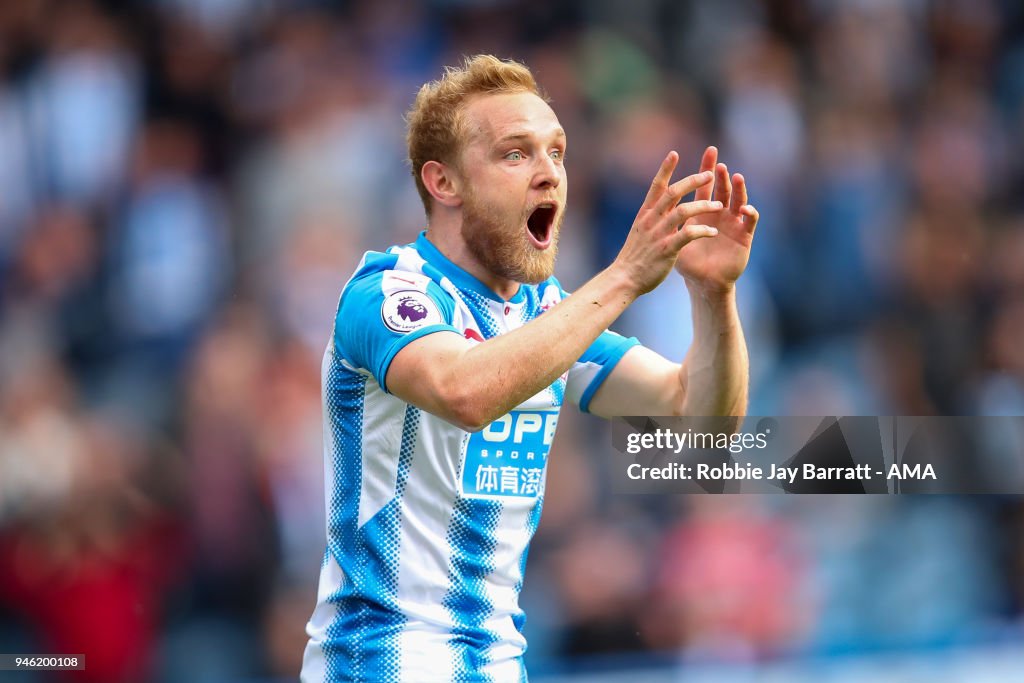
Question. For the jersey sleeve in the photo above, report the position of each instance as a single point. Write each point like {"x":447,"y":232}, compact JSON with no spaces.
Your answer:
{"x":590,"y":371}
{"x":593,"y":367}
{"x":381,"y":312}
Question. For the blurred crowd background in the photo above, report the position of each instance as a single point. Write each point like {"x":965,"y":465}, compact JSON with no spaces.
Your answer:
{"x":185,"y":185}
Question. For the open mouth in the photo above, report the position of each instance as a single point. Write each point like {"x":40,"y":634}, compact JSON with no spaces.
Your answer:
{"x":540,"y":224}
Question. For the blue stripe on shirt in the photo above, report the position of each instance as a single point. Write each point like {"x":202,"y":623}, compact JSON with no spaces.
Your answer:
{"x":471,"y":536}
{"x":362,"y":642}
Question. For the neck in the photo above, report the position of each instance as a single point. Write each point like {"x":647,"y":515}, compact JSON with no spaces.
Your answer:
{"x":447,"y":237}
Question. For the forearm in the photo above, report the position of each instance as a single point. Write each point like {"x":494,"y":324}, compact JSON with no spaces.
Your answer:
{"x":491,"y":378}
{"x":714,"y":374}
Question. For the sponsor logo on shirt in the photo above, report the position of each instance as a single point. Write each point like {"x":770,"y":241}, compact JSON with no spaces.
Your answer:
{"x":409,"y":310}
{"x":507,"y":458}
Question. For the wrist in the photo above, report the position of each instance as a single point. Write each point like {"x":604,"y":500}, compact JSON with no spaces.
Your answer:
{"x":714,"y":308}
{"x":622,"y":283}
{"x":711,"y":292}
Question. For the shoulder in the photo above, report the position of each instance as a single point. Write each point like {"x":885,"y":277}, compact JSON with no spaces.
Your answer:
{"x":388,"y":302}
{"x":399,"y":269}
{"x":394,"y":287}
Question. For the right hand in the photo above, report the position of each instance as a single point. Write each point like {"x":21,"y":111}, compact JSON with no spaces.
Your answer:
{"x":658,"y":232}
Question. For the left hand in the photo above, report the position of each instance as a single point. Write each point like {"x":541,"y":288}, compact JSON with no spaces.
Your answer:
{"x":715,"y":263}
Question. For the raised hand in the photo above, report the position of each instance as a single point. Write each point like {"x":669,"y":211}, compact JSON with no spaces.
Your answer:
{"x":716,"y":264}
{"x":663,"y":226}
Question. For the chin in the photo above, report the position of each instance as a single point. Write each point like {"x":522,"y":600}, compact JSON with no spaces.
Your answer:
{"x":539,"y":265}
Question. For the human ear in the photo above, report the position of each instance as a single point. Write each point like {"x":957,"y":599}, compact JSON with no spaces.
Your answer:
{"x":443,"y":183}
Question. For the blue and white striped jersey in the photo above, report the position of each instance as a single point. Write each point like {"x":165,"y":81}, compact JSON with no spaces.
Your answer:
{"x":428,"y":525}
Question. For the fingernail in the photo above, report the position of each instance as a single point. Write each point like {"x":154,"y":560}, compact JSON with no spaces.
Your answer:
{"x":716,"y":205}
{"x":713,"y":231}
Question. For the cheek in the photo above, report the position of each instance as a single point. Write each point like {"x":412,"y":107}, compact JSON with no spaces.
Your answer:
{"x":510,"y":190}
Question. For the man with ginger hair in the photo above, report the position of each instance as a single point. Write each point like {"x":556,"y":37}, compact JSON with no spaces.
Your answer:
{"x":451,"y":357}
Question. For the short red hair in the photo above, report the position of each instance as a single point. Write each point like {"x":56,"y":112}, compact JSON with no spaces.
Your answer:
{"x":436,"y":129}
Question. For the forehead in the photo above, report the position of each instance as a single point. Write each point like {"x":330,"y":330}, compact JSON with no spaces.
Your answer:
{"x":489,"y":118}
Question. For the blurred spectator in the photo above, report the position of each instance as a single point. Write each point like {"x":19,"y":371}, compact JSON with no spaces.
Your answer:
{"x":89,"y":554}
{"x":169,"y":266}
{"x":83,"y":106}
{"x":730,"y":584}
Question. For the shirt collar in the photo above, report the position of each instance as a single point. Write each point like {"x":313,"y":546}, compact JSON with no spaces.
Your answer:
{"x":460,"y":277}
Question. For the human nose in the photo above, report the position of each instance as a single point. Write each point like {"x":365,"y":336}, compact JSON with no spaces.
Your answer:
{"x":547,"y":174}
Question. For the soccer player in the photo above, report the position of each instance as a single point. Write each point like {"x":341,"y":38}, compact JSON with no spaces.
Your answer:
{"x":451,"y":357}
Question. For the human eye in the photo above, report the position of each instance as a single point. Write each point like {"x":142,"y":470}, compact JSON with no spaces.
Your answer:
{"x":514,"y":155}
{"x":558,"y":154}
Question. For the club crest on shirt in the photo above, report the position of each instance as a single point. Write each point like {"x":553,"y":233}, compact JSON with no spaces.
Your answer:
{"x":409,"y":310}
{"x":551,"y":297}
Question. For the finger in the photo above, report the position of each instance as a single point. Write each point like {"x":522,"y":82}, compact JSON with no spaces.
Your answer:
{"x":680,"y":189}
{"x":685,"y":212}
{"x":751,"y":217}
{"x":690,"y":233}
{"x":723,"y":186}
{"x":661,"y":178}
{"x":739,"y":193}
{"x":707,"y":163}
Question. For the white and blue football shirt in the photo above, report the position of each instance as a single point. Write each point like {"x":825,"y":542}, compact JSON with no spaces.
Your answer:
{"x":428,"y":525}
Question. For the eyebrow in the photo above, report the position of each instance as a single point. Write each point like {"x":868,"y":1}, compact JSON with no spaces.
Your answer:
{"x":559,"y":133}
